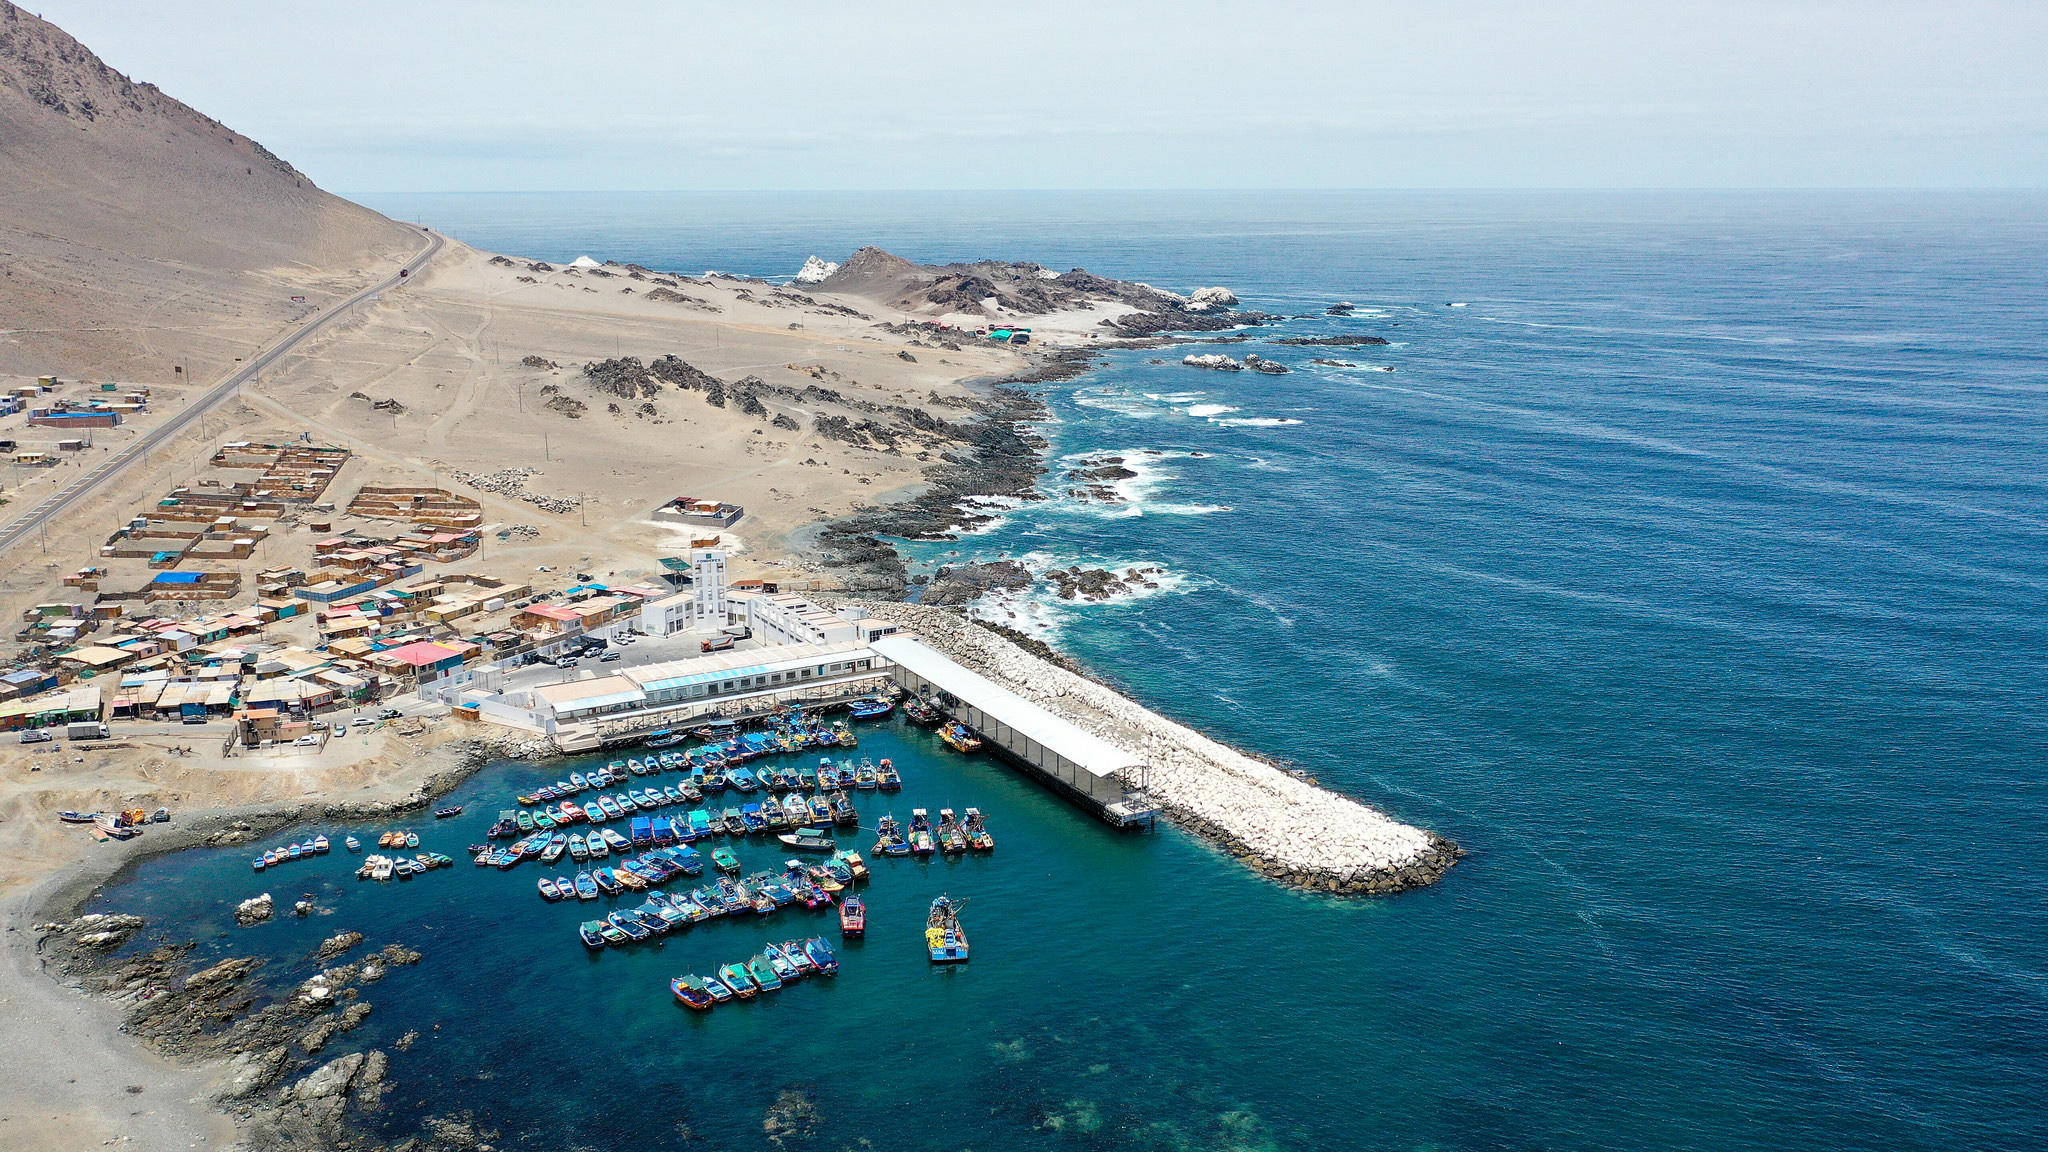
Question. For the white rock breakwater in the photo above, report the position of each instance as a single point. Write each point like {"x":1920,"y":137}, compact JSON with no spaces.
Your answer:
{"x":1284,"y":826}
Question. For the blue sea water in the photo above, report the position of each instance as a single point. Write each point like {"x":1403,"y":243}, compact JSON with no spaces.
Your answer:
{"x":1690,"y":575}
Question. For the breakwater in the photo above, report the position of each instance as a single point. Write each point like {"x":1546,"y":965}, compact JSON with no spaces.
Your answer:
{"x":1288,"y":828}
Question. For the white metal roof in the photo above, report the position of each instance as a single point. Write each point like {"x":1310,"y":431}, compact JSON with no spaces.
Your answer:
{"x":1096,"y":756}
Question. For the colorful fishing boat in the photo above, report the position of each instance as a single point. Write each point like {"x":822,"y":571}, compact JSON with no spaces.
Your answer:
{"x":762,"y":970}
{"x":922,"y":842}
{"x":870,"y":709}
{"x":843,"y":811}
{"x":887,"y":778}
{"x":889,"y":839}
{"x":951,"y":839}
{"x":586,"y":886}
{"x":719,"y":992}
{"x":959,"y":737}
{"x":922,"y":712}
{"x":944,"y":938}
{"x":592,"y":933}
{"x":808,"y":840}
{"x":734,"y":976}
{"x":821,"y":955}
{"x":548,"y":891}
{"x":692,"y":992}
{"x":853,"y":918}
{"x":726,"y":860}
{"x":976,"y":829}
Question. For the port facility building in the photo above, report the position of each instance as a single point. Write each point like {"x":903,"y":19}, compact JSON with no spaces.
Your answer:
{"x":1084,"y":767}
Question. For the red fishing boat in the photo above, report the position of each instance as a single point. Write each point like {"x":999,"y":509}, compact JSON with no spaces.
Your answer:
{"x":853,"y":917}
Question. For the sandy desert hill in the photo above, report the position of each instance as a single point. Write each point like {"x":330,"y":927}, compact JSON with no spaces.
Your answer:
{"x":137,"y":233}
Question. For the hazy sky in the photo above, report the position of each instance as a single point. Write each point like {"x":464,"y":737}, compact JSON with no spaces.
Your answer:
{"x":673,"y":94}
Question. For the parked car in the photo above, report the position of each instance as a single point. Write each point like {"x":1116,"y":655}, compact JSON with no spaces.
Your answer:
{"x":389,"y":714}
{"x":306,"y":742}
{"x":360,"y":721}
{"x":607,"y":657}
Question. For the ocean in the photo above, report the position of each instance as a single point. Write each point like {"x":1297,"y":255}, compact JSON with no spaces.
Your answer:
{"x":1687,"y":568}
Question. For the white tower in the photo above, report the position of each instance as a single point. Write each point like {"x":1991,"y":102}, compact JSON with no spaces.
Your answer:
{"x":707,"y":581}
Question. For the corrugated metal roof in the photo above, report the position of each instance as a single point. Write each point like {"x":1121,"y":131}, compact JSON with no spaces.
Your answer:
{"x":1094,"y":755}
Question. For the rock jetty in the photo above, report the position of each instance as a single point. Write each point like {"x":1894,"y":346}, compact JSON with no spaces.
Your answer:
{"x":1284,"y":826}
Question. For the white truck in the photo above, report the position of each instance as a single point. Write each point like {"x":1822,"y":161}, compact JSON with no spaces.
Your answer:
{"x":87,"y":730}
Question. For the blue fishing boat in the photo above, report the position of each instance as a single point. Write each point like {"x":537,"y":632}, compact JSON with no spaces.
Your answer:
{"x":744,"y":780}
{"x":642,"y":830}
{"x":751,"y":820}
{"x":592,"y":933}
{"x":822,"y":956}
{"x":716,"y":987}
{"x":606,"y":883}
{"x":630,"y":924}
{"x":586,"y":886}
{"x":688,"y":860}
{"x":763,"y":972}
{"x":870,"y":709}
{"x":548,"y":890}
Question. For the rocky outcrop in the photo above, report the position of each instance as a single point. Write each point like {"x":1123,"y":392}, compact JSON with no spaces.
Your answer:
{"x":1331,"y":341}
{"x":1269,"y":367}
{"x":1204,"y":299}
{"x":1215,"y":361}
{"x":969,"y":582}
{"x":815,"y":271}
{"x":1093,"y":584}
{"x":254,"y":910}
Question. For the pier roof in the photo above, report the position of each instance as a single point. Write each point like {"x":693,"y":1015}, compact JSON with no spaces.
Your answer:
{"x":1090,"y":752}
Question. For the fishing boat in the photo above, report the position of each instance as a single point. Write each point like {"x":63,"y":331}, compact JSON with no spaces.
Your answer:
{"x":557,"y":845}
{"x":951,"y":838}
{"x":412,"y":839}
{"x":700,"y":824}
{"x":922,"y":712}
{"x":351,"y":843}
{"x":735,"y":825}
{"x":843,"y":811}
{"x":382,"y":870}
{"x":578,"y":850}
{"x":548,"y":890}
{"x":743,"y":780}
{"x":571,"y":813}
{"x":719,"y":992}
{"x":590,"y":931}
{"x":821,"y":955}
{"x":889,"y":839}
{"x":448,"y":812}
{"x":866,"y":778}
{"x":666,"y":738}
{"x":610,"y":808}
{"x":976,"y":829}
{"x":853,"y":918}
{"x":871,"y":709}
{"x":612,"y":933}
{"x":854,"y":864}
{"x":763,"y":973}
{"x":959,"y":737}
{"x":795,"y":810}
{"x":752,"y":820}
{"x":320,"y":844}
{"x":807,"y":779}
{"x":922,"y":842}
{"x":944,"y":938}
{"x":887,"y":778}
{"x":692,"y":992}
{"x":824,"y":879}
{"x":630,"y":925}
{"x":578,"y":781}
{"x":786,"y":969}
{"x":821,"y":809}
{"x":614,"y":841}
{"x":690,"y":792}
{"x":586,"y":886}
{"x":259,"y":863}
{"x":808,"y":840}
{"x":606,"y":881}
{"x":843,"y":736}
{"x":734,"y":976}
{"x":725,"y":860}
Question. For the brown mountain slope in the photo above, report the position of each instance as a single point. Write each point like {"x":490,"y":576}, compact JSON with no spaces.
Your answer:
{"x":136,"y":233}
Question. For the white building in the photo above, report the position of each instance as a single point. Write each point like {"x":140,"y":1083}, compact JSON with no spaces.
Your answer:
{"x":702,"y":608}
{"x":782,"y":618}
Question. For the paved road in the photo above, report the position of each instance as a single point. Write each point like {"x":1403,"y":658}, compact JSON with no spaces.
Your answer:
{"x":51,"y":506}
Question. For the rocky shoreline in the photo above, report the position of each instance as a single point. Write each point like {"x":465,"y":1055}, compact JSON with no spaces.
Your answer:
{"x":1280,"y":823}
{"x":267,"y":1038}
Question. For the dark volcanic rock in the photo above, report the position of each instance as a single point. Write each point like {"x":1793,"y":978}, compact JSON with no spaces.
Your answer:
{"x":961,"y":585}
{"x":1331,"y":341}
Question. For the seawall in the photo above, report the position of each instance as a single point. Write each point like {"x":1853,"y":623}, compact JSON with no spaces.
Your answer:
{"x":1285,"y":827}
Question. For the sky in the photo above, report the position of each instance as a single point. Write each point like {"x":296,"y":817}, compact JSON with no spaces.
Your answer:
{"x":608,"y":95}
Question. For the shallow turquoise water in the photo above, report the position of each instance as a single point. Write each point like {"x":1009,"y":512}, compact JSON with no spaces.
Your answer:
{"x":1691,"y":577}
